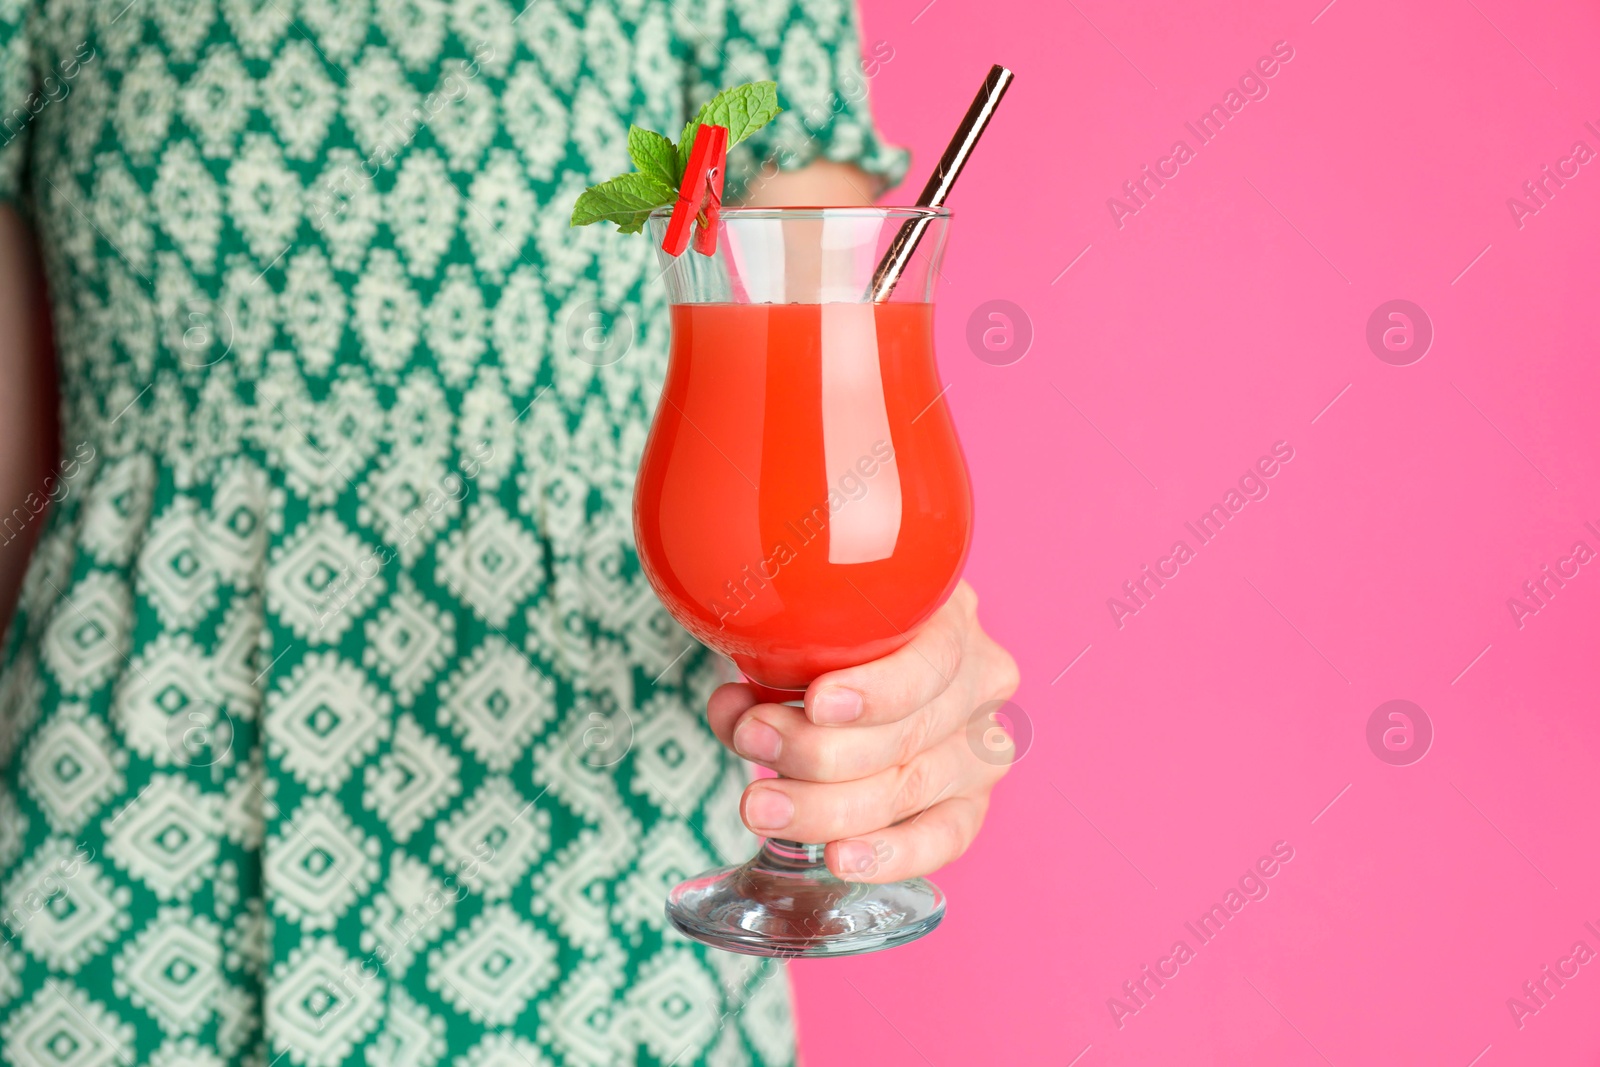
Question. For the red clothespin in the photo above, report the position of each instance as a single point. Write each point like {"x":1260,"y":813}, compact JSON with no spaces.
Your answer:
{"x":705,"y":237}
{"x":700,"y":199}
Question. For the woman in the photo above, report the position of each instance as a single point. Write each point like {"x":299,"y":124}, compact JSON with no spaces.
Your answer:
{"x":339,"y":723}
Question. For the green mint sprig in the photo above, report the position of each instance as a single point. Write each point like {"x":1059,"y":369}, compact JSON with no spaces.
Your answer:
{"x":628,"y":199}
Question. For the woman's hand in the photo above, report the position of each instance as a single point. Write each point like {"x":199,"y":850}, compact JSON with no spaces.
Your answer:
{"x":880,"y":763}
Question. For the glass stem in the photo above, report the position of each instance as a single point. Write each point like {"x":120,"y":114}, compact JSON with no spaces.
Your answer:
{"x":781,"y":854}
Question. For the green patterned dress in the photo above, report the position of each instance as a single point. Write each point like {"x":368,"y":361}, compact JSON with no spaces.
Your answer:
{"x":337,"y":722}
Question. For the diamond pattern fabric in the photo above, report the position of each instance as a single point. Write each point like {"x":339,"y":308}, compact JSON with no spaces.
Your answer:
{"x":298,"y":713}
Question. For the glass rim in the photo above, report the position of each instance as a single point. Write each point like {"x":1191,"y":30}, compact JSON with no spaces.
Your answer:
{"x":731,"y":212}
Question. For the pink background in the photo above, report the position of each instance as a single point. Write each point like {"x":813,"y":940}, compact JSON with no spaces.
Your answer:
{"x":1226,"y":715}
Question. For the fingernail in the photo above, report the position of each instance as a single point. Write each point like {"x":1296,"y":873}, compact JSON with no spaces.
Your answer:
{"x":856,"y":857}
{"x":768,"y":809}
{"x":834,"y":705}
{"x":755,"y":740}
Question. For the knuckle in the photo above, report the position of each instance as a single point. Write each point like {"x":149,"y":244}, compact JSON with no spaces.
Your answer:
{"x":916,"y":734}
{"x":991,"y":751}
{"x":985,"y":774}
{"x":1007,"y":674}
{"x":948,"y":649}
{"x":980,"y":814}
{"x":857,"y":812}
{"x":883,"y":859}
{"x":950,"y":840}
{"x":820,"y":759}
{"x":910,"y":791}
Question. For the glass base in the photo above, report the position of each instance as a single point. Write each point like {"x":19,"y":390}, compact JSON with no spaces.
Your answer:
{"x":786,"y":903}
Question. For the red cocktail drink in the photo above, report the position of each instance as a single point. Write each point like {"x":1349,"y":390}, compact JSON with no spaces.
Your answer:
{"x":803,"y":504}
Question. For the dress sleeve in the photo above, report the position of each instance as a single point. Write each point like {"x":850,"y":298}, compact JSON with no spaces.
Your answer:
{"x":16,"y":99}
{"x":812,"y":49}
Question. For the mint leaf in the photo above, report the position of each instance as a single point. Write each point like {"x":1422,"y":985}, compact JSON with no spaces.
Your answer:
{"x":626,"y":200}
{"x":744,"y":109}
{"x":653,"y":155}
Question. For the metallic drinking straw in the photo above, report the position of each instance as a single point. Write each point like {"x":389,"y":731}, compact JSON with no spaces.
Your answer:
{"x":939,"y":182}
